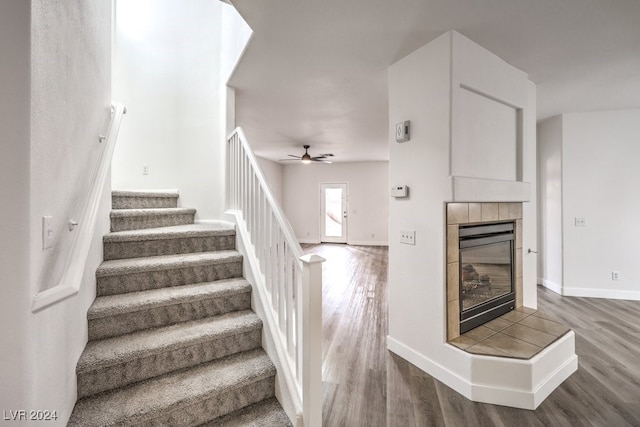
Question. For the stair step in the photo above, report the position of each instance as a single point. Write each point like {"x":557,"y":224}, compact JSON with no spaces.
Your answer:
{"x":132,"y":199}
{"x":116,"y":362}
{"x":261,"y":414}
{"x":177,"y":239}
{"x":188,"y":397}
{"x":138,"y":274}
{"x":136,"y":219}
{"x":114,"y":315}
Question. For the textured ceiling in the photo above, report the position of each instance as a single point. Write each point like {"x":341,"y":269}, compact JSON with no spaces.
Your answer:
{"x":315,"y":71}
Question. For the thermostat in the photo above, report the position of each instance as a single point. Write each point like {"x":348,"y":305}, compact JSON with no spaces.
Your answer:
{"x":402,"y":131}
{"x":400,"y":191}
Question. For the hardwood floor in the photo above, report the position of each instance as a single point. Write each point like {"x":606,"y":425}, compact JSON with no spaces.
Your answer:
{"x":355,"y":328}
{"x":366,"y":385}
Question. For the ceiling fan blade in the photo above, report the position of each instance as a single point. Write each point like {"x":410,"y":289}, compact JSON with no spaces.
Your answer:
{"x":289,"y":160}
{"x":297,"y":157}
{"x":321,"y":161}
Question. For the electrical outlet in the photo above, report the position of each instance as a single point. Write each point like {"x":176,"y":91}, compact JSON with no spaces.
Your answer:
{"x":47,"y":232}
{"x":145,"y":169}
{"x":580,"y":222}
{"x":615,"y":275}
{"x":408,"y":237}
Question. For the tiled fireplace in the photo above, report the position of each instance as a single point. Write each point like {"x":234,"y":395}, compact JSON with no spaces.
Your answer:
{"x":484,"y":263}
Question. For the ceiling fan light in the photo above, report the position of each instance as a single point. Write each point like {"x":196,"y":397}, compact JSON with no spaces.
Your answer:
{"x":306,"y":159}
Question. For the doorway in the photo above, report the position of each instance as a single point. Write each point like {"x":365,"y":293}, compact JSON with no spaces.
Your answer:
{"x":333,"y":213}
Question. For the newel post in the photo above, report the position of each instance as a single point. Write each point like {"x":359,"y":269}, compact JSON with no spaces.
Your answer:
{"x":312,"y":340}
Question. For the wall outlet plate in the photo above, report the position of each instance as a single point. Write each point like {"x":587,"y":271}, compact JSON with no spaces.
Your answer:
{"x":580,"y":222}
{"x":400,"y":191}
{"x":408,"y":237}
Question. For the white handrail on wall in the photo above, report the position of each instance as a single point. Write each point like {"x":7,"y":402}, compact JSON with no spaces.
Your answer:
{"x":71,"y":278}
{"x":289,"y":283}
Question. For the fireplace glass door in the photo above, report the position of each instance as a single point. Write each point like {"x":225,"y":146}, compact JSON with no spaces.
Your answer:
{"x":486,"y":273}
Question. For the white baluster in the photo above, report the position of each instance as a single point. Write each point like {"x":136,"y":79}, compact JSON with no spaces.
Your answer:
{"x":290,"y":260}
{"x":290,"y":284}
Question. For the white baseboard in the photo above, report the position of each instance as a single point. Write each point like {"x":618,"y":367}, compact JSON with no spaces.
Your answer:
{"x":350,"y":242}
{"x":551,"y":286}
{"x":601,"y":293}
{"x":523,"y":384}
{"x":570,"y":291}
{"x":368,"y":243}
{"x":309,"y":241}
{"x":434,"y":369}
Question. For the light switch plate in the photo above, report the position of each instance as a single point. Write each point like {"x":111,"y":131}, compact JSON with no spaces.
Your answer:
{"x":47,"y":232}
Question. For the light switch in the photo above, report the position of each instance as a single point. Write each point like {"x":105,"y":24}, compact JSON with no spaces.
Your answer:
{"x":47,"y":232}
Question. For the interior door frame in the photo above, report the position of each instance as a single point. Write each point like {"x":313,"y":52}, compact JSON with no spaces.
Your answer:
{"x":345,"y":214}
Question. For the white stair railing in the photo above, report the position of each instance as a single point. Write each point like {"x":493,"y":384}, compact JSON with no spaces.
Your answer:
{"x":288,"y":282}
{"x":69,"y":283}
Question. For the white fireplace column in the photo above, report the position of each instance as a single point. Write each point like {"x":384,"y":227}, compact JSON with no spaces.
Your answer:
{"x":472,"y":140}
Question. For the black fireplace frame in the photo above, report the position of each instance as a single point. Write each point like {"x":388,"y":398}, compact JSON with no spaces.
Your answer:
{"x":475,"y":235}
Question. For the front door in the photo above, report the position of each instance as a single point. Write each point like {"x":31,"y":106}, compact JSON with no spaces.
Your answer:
{"x":333,"y":213}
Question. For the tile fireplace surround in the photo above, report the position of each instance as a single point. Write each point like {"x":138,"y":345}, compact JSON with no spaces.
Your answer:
{"x":476,"y":213}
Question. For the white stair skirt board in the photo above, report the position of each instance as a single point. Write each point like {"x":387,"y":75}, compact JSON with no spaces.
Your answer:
{"x":503,"y":381}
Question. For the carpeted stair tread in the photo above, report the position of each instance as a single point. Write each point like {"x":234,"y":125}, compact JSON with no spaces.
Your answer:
{"x":135,"y":219}
{"x":172,"y":232}
{"x":145,"y":193}
{"x":129,"y":199}
{"x":168,"y":240}
{"x":131,"y":302}
{"x":266,"y":413}
{"x":156,"y":399}
{"x":113,"y":351}
{"x":165,"y":262}
{"x":150,"y":212}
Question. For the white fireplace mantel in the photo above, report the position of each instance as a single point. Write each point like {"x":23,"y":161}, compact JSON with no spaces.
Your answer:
{"x":466,"y":189}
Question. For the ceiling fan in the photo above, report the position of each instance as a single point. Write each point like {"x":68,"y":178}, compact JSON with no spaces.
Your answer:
{"x":306,"y":157}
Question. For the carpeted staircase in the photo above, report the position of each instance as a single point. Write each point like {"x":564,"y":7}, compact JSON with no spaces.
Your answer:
{"x":172,"y":338}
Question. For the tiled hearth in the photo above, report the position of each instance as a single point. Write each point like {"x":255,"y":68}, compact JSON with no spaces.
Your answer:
{"x":520,"y":334}
{"x":476,"y":213}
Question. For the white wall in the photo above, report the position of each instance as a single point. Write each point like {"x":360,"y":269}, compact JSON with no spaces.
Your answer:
{"x":167,"y":71}
{"x":600,"y":175}
{"x":15,"y":295}
{"x":70,"y":101}
{"x":70,"y":108}
{"x":430,"y":87}
{"x":368,"y":199}
{"x":550,"y":203}
{"x":273,"y":172}
{"x":55,"y":98}
{"x":419,"y":90}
